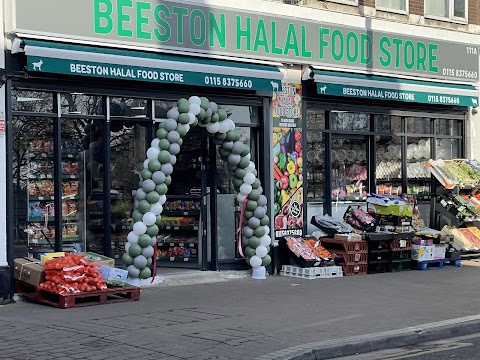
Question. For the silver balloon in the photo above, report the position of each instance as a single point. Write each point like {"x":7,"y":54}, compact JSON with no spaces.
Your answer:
{"x":148,"y":252}
{"x":254,"y":222}
{"x":241,"y":198}
{"x":155,"y":142}
{"x":140,"y":194}
{"x":140,"y":261}
{"x":173,"y":136}
{"x":195,"y":109}
{"x":133,"y":271}
{"x":170,"y":124}
{"x":158,"y":177}
{"x":245,"y":189}
{"x":262,"y":201}
{"x":152,"y":243}
{"x":173,"y":113}
{"x":156,"y":208}
{"x":173,"y":159}
{"x":148,"y":185}
{"x":167,"y":169}
{"x":234,"y":159}
{"x":213,"y":106}
{"x":259,"y":212}
{"x":213,"y":128}
{"x":227,"y":145}
{"x":237,"y":147}
{"x":163,"y":199}
{"x":208,"y":113}
{"x":174,"y":149}
{"x":247,"y":231}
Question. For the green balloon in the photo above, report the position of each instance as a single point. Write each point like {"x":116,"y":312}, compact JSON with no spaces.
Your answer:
{"x":256,"y":184}
{"x":237,"y":135}
{"x":161,"y":189}
{"x":134,"y":250}
{"x":267,"y":260}
{"x":251,"y":205}
{"x":180,"y":141}
{"x":127,"y":259}
{"x":144,"y":206}
{"x":164,"y":157}
{"x":222,"y":114}
{"x":183,"y":105}
{"x":153,"y":197}
{"x":220,"y":136}
{"x":249,"y":251}
{"x":146,"y":174}
{"x":215,"y":118}
{"x":254,"y":242}
{"x":154,"y":165}
{"x":162,"y":133}
{"x":205,"y":120}
{"x":137,"y":216}
{"x":145,"y":273}
{"x":240,"y":173}
{"x":168,"y":180}
{"x":247,"y":260}
{"x":244,"y":162}
{"x":164,"y":144}
{"x":259,"y":231}
{"x":183,"y":118}
{"x":265,"y":221}
{"x":158,"y":221}
{"x":201,"y":115}
{"x":247,"y":214}
{"x":149,"y":262}
{"x":152,"y":230}
{"x":246,"y":150}
{"x":182,"y":130}
{"x":144,"y":240}
{"x":204,"y":104}
{"x":230,"y":136}
{"x":195,"y":122}
{"x":254,"y":172}
{"x":223,"y":152}
{"x":161,"y":125}
{"x":237,"y":182}
{"x":254,"y":195}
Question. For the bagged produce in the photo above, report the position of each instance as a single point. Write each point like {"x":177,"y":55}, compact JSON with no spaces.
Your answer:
{"x":330,"y":225}
{"x":359,"y":219}
{"x":71,"y":274}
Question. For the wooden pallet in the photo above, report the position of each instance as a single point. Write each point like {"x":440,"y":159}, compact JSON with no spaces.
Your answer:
{"x":437,"y":264}
{"x":64,"y":301}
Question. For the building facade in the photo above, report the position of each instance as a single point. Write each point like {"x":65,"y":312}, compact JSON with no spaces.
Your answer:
{"x":334,"y":98}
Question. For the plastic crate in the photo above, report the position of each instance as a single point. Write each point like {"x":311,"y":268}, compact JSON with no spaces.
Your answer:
{"x":397,"y":266}
{"x":401,"y":244}
{"x":382,"y":255}
{"x":402,"y":255}
{"x":354,"y":269}
{"x":355,"y":257}
{"x":333,"y":245}
{"x":312,"y":273}
{"x":379,"y":267}
{"x":379,"y":245}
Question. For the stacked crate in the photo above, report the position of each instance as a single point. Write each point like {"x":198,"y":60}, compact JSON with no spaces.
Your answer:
{"x":379,"y":252}
{"x":355,"y":254}
{"x":401,"y":247}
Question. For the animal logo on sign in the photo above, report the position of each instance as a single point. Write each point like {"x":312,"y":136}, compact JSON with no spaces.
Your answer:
{"x":38,"y":65}
{"x":474,"y":102}
{"x":323,"y":89}
{"x":274,"y":85}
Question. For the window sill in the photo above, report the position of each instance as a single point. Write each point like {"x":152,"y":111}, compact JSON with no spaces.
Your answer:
{"x":393,"y":11}
{"x":444,"y":19}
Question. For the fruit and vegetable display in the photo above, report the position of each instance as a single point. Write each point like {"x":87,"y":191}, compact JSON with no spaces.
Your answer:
{"x":308,"y":249}
{"x":450,"y":173}
{"x":331,"y":226}
{"x":359,"y":219}
{"x":71,"y":274}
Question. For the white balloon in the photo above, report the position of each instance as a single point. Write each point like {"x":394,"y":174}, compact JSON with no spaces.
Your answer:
{"x":145,"y":164}
{"x":158,"y":177}
{"x":167,"y":169}
{"x":248,"y":156}
{"x":261,"y":251}
{"x":191,"y":118}
{"x":195,"y":109}
{"x":149,"y":251}
{"x":155,"y":142}
{"x":127,"y":246}
{"x":156,"y":208}
{"x":173,"y":160}
{"x":149,"y":218}
{"x":260,"y":189}
{"x":163,"y":199}
{"x":241,"y":198}
{"x":223,"y":128}
{"x":173,"y":113}
{"x":154,"y":241}
{"x":265,"y":240}
{"x":208,"y":113}
{"x":230,"y":123}
{"x":152,"y":153}
{"x":213,"y":127}
{"x":255,"y":261}
{"x":245,"y":189}
{"x":267,"y":229}
{"x":139,"y":228}
{"x":170,"y":124}
{"x":140,"y":194}
{"x":227,"y":145}
{"x":174,"y":149}
{"x":194,"y":100}
{"x":249,"y":178}
{"x":234,"y":159}
{"x":148,"y":185}
{"x":132,"y":237}
{"x":213,"y":106}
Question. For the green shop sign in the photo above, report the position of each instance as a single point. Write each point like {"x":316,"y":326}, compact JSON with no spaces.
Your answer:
{"x":196,"y":27}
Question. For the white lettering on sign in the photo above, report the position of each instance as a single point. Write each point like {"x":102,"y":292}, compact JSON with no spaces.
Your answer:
{"x":88,"y":69}
{"x":379,"y":94}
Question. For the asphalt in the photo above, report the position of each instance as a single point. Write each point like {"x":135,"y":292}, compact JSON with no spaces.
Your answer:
{"x":277,"y":318}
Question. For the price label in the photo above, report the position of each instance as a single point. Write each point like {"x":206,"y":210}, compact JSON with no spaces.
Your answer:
{"x":176,"y":228}
{"x":181,"y":244}
{"x":185,"y":213}
{"x":172,"y":258}
{"x":172,"y":244}
{"x":403,"y":243}
{"x":185,"y":259}
{"x":168,"y":227}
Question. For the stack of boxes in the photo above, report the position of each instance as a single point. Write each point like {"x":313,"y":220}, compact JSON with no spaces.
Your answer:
{"x":352,"y":249}
{"x":392,"y":213}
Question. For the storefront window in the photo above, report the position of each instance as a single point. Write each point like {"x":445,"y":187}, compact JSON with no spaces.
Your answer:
{"x":32,"y":101}
{"x":448,"y":127}
{"x":315,"y":119}
{"x":448,"y":149}
{"x":388,"y":124}
{"x":418,"y":125}
{"x":340,"y":120}
{"x":418,"y":176}
{"x":315,"y":166}
{"x":389,"y":165}
{"x":81,"y":104}
{"x":128,"y":107}
{"x":242,"y":114}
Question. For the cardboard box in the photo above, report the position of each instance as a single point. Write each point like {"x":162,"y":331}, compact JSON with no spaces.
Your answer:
{"x":97,"y":259}
{"x":439,"y":251}
{"x":44,"y":257}
{"x":348,"y":237}
{"x":385,"y":200}
{"x":28,"y":270}
{"x":423,"y":253}
{"x":395,"y":210}
{"x":423,"y":242}
{"x":113,"y":276}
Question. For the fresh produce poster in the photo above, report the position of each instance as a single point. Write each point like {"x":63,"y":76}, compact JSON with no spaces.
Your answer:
{"x":288,"y":160}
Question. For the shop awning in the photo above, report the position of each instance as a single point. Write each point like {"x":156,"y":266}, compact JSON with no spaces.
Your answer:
{"x":68,"y":59}
{"x":393,"y":89}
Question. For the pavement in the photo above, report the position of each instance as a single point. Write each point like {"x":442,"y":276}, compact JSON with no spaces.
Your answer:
{"x":242,"y":318}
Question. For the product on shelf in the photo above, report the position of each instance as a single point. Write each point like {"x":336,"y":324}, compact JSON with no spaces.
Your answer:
{"x":41,"y":145}
{"x":41,"y":167}
{"x":359,"y":219}
{"x":439,"y":169}
{"x":69,"y":167}
{"x":182,"y":205}
{"x":41,"y":188}
{"x":329,"y":225}
{"x":69,"y":188}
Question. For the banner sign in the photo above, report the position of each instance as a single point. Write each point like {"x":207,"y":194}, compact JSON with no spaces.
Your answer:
{"x":207,"y":29}
{"x":288,"y":160}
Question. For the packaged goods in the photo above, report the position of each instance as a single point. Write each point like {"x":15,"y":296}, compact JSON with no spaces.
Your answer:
{"x":28,"y":270}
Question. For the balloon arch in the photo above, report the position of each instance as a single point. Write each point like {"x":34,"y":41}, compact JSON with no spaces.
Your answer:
{"x":155,"y":179}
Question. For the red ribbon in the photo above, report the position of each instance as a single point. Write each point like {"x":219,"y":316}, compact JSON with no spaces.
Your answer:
{"x":154,"y":263}
{"x":239,"y":231}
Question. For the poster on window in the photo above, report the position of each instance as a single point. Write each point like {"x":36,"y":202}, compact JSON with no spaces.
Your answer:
{"x":288,"y":160}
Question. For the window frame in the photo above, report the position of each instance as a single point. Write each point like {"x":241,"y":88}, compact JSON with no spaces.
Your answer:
{"x":345,"y":2}
{"x":451,"y":11}
{"x":393,"y":10}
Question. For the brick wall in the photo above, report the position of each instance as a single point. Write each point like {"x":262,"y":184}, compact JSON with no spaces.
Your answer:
{"x":416,"y":7}
{"x":370,"y":3}
{"x":474,"y":12}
